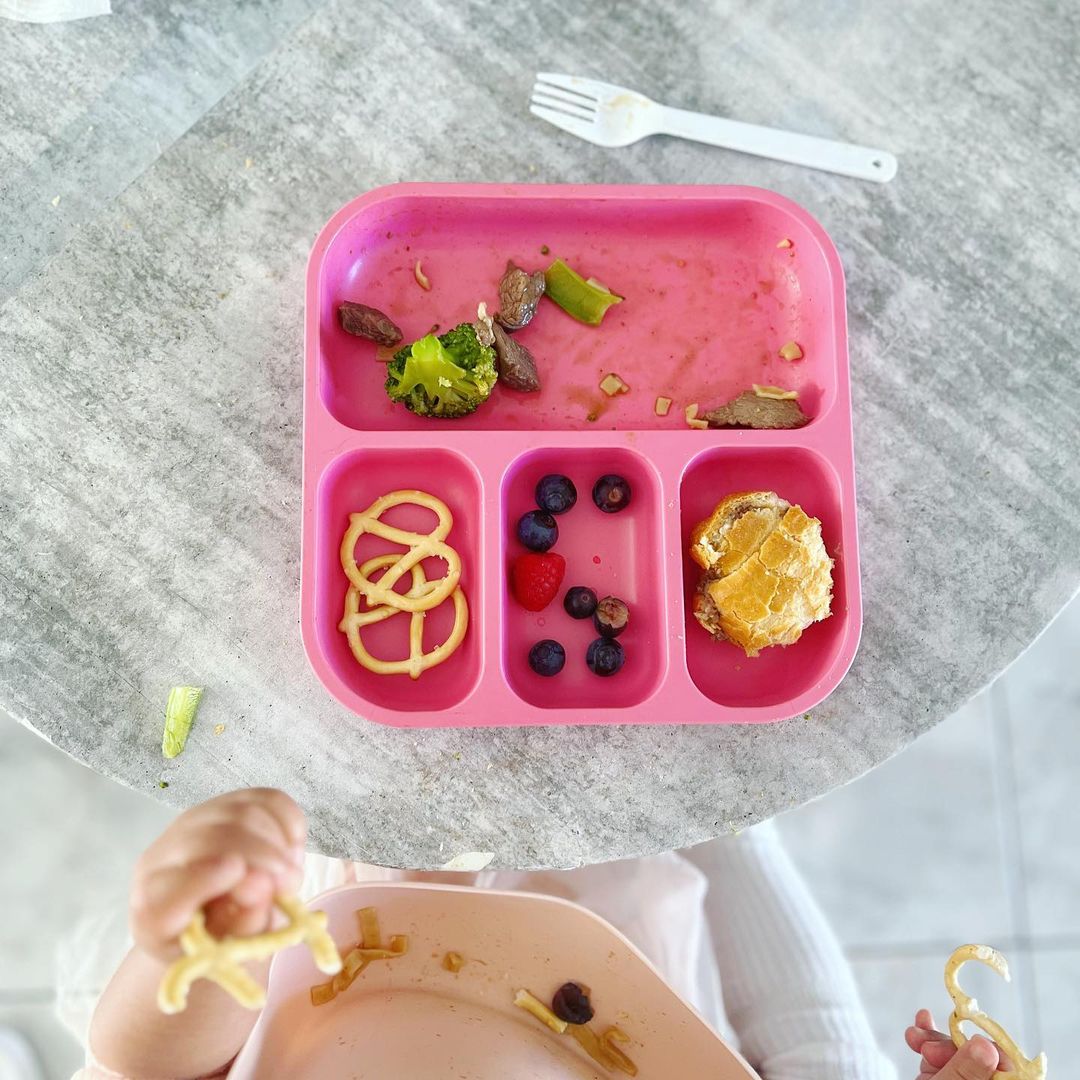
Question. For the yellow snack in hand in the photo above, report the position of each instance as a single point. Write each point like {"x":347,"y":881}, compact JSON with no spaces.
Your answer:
{"x":219,"y":960}
{"x":967,"y":1008}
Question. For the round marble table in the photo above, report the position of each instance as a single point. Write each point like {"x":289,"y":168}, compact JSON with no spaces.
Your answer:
{"x":163,"y":179}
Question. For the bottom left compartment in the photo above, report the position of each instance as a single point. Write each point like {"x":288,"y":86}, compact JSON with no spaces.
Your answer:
{"x":351,"y":485}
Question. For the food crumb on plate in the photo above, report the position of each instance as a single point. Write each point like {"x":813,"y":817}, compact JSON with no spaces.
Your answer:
{"x":692,"y":420}
{"x":790,"y":351}
{"x":612,"y":384}
{"x":777,"y":393}
{"x":785,"y":243}
{"x":531,"y":1004}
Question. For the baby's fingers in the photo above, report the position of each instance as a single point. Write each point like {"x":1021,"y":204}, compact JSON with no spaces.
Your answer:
{"x":918,"y":1037}
{"x":938,"y":1052}
{"x":163,"y":901}
{"x":924,"y":1034}
{"x":246,"y":910}
{"x":289,"y":817}
{"x":924,"y":1019}
{"x":274,"y":857}
{"x":979,"y":1058}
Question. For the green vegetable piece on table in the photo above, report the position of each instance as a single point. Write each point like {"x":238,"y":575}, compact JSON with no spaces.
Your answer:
{"x":180,"y":712}
{"x":443,"y":377}
{"x":586,"y":301}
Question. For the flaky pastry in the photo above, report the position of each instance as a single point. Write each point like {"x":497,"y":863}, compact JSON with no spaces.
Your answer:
{"x":767,"y":574}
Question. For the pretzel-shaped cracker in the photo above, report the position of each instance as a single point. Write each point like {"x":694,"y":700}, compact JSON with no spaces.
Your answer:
{"x":356,"y":960}
{"x":418,"y":661}
{"x":421,"y":546}
{"x":219,"y":960}
{"x":967,"y":1008}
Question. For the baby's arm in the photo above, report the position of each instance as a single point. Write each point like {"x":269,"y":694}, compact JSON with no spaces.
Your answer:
{"x":788,"y":991}
{"x":229,"y":857}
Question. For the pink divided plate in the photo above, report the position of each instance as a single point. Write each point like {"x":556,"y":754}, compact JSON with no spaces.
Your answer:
{"x":411,"y":1019}
{"x":710,"y":299}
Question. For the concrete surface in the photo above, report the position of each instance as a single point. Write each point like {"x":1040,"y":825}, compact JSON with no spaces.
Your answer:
{"x":151,"y":350}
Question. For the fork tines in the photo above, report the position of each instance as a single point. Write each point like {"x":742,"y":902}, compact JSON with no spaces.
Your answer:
{"x":565,"y":94}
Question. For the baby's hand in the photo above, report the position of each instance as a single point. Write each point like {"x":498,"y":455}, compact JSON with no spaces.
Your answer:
{"x":229,"y":856}
{"x":978,"y":1060}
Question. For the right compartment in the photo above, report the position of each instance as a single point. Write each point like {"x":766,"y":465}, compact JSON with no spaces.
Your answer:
{"x":784,"y":680}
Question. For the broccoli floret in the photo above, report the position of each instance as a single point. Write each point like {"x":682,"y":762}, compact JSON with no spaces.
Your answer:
{"x":443,"y":377}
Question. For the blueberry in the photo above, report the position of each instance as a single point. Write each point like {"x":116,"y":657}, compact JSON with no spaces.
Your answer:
{"x":611,"y":617}
{"x":605,"y":656}
{"x":611,"y":493}
{"x":579,"y":602}
{"x":547,"y":657}
{"x":556,"y":494}
{"x":537,"y":530}
{"x":572,"y":1004}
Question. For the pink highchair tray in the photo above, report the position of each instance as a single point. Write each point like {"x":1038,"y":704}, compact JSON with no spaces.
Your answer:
{"x":712,"y":291}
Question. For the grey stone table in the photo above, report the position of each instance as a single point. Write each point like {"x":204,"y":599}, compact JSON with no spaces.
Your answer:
{"x":162,"y":179}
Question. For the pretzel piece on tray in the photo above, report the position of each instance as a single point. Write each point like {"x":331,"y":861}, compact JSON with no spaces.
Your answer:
{"x":418,"y":661}
{"x":356,"y":960}
{"x":967,"y":1008}
{"x":421,"y":546}
{"x":219,"y":960}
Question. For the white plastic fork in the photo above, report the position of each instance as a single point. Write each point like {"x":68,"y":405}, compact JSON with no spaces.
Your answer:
{"x":609,"y":115}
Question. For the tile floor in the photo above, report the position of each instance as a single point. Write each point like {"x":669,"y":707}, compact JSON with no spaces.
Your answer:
{"x":961,"y":837}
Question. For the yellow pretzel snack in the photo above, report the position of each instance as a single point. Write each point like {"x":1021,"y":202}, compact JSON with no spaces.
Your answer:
{"x":418,"y":661}
{"x":219,"y":960}
{"x":370,"y":948}
{"x":421,"y":546}
{"x":967,"y":1008}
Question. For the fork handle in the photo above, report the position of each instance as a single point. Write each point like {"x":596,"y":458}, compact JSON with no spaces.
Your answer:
{"x":862,"y":162}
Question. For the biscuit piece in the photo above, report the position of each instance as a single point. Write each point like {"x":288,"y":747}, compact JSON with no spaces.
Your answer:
{"x":767,"y":573}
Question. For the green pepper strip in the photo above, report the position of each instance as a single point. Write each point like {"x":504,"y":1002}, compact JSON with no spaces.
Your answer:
{"x":582,"y":299}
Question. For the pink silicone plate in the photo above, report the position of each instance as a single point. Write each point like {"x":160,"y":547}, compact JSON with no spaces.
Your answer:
{"x":710,"y":298}
{"x":412,"y":1020}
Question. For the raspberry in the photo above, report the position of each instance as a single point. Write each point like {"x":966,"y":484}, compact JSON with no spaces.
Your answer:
{"x":536,"y":579}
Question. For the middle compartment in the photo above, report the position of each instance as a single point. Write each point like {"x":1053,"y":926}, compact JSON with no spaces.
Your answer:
{"x":618,"y":554}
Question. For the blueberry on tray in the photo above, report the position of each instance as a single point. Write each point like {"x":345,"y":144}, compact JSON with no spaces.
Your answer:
{"x":579,"y":602}
{"x":537,"y":530}
{"x":547,"y":657}
{"x":611,"y":493}
{"x":605,"y":656}
{"x":611,"y":617}
{"x":555,"y":493}
{"x":571,"y":1004}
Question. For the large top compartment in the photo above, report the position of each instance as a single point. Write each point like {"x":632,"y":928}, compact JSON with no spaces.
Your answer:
{"x":710,"y":297}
